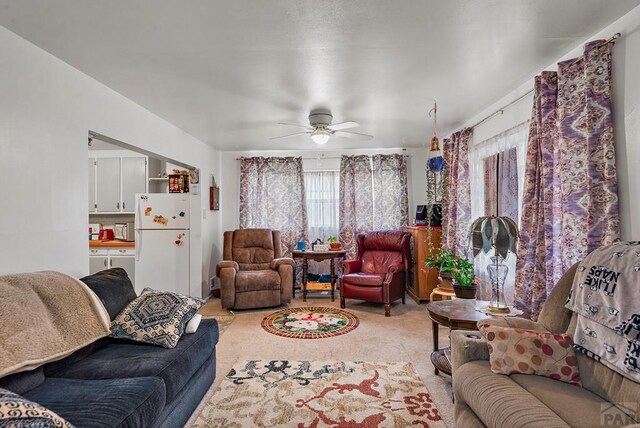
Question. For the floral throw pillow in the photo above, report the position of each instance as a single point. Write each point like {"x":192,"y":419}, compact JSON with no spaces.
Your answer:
{"x":155,"y":317}
{"x":520,"y":351}
{"x":17,"y":411}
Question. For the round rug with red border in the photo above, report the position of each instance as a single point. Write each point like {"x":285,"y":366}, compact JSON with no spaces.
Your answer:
{"x":310,"y":322}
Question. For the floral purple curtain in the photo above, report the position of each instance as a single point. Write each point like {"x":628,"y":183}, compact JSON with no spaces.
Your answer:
{"x":501,"y":184}
{"x":356,"y":200}
{"x":272,"y":196}
{"x":590,"y":215}
{"x":457,"y":194}
{"x":391,"y":205}
{"x":539,"y":262}
{"x":570,"y":203}
{"x":373,"y":196}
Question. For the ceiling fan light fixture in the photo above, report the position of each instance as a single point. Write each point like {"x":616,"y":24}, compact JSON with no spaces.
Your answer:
{"x":320,"y":137}
{"x":321,"y":128}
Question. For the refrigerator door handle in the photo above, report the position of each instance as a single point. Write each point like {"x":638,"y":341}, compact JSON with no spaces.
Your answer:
{"x":138,"y":216}
{"x":138,"y":244}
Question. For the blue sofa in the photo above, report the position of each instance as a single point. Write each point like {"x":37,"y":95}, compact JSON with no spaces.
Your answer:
{"x":117,"y":383}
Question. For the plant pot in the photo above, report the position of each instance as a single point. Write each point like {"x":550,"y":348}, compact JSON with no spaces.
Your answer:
{"x":464,"y":292}
{"x":446,"y":283}
{"x":335,"y":246}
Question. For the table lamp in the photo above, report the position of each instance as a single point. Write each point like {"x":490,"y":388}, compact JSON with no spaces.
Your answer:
{"x":500,"y":235}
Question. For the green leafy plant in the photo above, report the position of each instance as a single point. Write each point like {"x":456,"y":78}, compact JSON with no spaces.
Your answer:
{"x":444,"y":261}
{"x":459,"y":268}
{"x":332,"y":239}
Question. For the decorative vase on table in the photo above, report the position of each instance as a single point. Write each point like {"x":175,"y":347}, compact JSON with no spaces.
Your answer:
{"x":497,"y":274}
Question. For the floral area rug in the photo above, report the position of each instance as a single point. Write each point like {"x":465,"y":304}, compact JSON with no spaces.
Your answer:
{"x":310,"y":322}
{"x":314,"y":394}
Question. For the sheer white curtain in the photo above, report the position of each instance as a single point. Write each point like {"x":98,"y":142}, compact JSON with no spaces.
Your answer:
{"x":517,"y":138}
{"x":514,"y":137}
{"x":322,"y":193}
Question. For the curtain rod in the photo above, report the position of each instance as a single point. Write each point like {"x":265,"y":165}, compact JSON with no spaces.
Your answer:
{"x":611,"y":39}
{"x":323,"y":157}
{"x":501,"y":110}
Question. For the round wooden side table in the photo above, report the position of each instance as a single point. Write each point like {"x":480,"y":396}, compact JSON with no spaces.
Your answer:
{"x":444,"y":293}
{"x":458,"y":314}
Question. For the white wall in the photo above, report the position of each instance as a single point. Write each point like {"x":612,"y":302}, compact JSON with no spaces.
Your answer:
{"x":229,"y":180}
{"x":626,"y":114}
{"x":46,"y":109}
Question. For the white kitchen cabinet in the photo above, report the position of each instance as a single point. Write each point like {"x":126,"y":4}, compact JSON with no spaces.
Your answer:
{"x":108,"y":185}
{"x":128,"y":263}
{"x":98,"y":263}
{"x":134,"y":180}
{"x":114,"y":182}
{"x":92,"y":185}
{"x":106,"y":258}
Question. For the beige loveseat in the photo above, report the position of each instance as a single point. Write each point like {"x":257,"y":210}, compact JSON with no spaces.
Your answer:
{"x":483,"y":398}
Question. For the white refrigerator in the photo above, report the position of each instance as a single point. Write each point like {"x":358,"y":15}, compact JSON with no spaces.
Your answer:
{"x":165,"y":242}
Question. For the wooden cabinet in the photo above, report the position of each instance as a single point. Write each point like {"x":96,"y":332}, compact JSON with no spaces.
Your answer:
{"x":421,"y":283}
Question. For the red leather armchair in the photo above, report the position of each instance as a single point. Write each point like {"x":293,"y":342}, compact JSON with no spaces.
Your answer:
{"x":380,"y":272}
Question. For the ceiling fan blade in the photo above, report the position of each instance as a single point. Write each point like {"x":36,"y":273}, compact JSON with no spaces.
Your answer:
{"x":296,"y":124}
{"x":355,"y":135}
{"x":290,"y":135}
{"x":343,"y":125}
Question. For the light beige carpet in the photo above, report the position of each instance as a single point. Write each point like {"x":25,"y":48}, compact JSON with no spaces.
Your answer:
{"x":403,"y":337}
{"x":319,"y":394}
{"x":213,"y":309}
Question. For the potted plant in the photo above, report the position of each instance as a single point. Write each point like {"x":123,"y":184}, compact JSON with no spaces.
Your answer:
{"x":465,"y":283}
{"x":333,"y":243}
{"x":455,"y":273}
{"x":445,"y":262}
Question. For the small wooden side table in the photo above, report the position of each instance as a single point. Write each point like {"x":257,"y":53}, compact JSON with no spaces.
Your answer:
{"x":318,"y":256}
{"x":459,"y":314}
{"x":443,"y":293}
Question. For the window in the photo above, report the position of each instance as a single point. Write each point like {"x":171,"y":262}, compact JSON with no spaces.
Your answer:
{"x":483,"y":163}
{"x":501,"y":184}
{"x":497,"y":185}
{"x":322,"y":194}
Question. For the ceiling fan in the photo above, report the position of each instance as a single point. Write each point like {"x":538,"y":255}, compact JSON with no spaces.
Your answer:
{"x":321,"y":129}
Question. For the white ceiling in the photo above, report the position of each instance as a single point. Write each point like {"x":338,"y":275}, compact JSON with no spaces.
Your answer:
{"x":227,"y":71}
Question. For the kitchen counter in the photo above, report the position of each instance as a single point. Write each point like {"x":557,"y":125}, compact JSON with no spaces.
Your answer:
{"x":111,"y":244}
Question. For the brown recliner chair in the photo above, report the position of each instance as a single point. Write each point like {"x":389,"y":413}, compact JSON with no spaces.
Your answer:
{"x":253,"y":273}
{"x":381,"y":270}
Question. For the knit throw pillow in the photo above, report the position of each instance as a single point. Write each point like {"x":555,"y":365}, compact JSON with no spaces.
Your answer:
{"x":17,"y":411}
{"x":155,"y":317}
{"x":520,"y":351}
